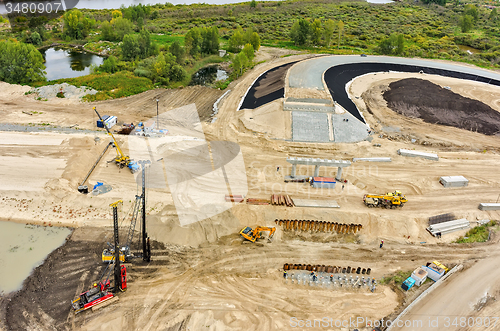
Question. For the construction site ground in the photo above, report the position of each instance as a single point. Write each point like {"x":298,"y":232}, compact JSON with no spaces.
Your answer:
{"x":202,"y":276}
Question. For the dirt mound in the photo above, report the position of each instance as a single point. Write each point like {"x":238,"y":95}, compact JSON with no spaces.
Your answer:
{"x":419,"y":98}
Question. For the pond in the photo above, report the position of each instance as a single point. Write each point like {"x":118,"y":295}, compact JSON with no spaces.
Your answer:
{"x":23,"y":248}
{"x":208,"y":75}
{"x":68,"y":63}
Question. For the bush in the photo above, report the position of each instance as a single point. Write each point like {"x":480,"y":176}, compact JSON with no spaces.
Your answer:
{"x":477,"y":234}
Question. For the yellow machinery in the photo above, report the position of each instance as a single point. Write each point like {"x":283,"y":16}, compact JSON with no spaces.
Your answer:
{"x":121,"y":159}
{"x":389,"y":200}
{"x":255,"y":234}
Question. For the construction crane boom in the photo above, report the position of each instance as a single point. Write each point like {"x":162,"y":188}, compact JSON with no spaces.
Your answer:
{"x":121,"y":159}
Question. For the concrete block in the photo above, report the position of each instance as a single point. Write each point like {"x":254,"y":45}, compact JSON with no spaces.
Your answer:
{"x":454,"y":181}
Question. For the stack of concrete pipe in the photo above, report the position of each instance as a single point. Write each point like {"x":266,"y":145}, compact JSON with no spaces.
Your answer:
{"x":318,"y":226}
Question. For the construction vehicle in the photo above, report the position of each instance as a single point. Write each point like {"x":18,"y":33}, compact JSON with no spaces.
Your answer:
{"x":255,"y":234}
{"x":102,"y":290}
{"x":388,"y":200}
{"x":125,"y":252}
{"x":121,"y":159}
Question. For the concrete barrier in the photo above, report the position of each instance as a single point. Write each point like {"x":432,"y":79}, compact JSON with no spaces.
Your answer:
{"x":429,"y":156}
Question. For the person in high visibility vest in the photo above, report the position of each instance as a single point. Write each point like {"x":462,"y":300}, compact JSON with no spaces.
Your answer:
{"x":285,"y":274}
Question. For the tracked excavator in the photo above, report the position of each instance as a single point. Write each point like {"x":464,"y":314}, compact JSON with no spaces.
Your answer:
{"x":388,"y":200}
{"x":253,"y":235}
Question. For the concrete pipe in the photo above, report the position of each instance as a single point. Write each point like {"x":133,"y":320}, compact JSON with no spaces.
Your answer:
{"x":329,"y":269}
{"x":353,"y":270}
{"x":348,"y":270}
{"x":363,"y":271}
{"x":303,"y":267}
{"x":358,"y":271}
{"x":286,"y":266}
{"x":368,"y":271}
{"x":343,"y":270}
{"x":318,"y":267}
{"x":309,"y":267}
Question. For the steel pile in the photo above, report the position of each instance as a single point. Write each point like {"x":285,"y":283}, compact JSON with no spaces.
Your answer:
{"x":318,"y":226}
{"x":327,"y":268}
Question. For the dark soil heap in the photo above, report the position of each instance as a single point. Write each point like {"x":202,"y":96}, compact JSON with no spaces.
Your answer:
{"x":420,"y":98}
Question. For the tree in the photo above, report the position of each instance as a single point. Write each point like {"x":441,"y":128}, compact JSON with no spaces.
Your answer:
{"x":248,"y":51}
{"x":36,"y":39}
{"x":110,"y":65}
{"x":316,"y":31}
{"x":466,"y":22}
{"x":300,"y":32}
{"x":472,"y":11}
{"x":192,"y":40}
{"x":394,"y":45}
{"x":130,"y":47}
{"x":177,"y":51}
{"x":116,"y":13}
{"x":255,"y":41}
{"x":253,"y":4}
{"x":328,"y":29}
{"x":236,"y":40}
{"x":439,"y":2}
{"x":77,"y":26}
{"x":340,"y":26}
{"x":116,"y":29}
{"x":20,"y":63}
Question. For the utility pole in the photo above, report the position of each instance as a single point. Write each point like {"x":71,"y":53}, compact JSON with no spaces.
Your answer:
{"x":146,"y":251}
{"x":117,"y":274}
{"x":157,"y":124}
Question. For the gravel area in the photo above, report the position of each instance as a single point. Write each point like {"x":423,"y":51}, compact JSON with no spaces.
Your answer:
{"x":70,"y":91}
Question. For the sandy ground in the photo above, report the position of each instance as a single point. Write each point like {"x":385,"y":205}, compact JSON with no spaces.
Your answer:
{"x":213,"y":281}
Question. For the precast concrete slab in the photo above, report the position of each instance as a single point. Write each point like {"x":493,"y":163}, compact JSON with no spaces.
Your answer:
{"x":315,"y":203}
{"x":425,"y":155}
{"x":489,"y":206}
{"x":291,"y":106}
{"x":310,"y":126}
{"x":348,"y":129}
{"x":309,"y":100}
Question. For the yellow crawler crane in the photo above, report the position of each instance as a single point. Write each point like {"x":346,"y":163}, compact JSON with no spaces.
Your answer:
{"x":389,"y":200}
{"x":255,"y":234}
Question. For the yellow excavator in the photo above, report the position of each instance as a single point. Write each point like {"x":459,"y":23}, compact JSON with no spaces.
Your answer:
{"x":388,"y":200}
{"x":255,"y":234}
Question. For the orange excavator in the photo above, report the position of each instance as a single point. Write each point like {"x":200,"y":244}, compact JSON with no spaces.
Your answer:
{"x":255,"y":234}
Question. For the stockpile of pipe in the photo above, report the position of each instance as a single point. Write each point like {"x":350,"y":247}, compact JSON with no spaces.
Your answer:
{"x":282,"y":200}
{"x":327,"y":268}
{"x":318,"y":226}
{"x":252,"y":201}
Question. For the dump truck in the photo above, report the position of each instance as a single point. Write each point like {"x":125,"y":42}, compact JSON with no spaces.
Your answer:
{"x":255,"y":234}
{"x":388,"y":200}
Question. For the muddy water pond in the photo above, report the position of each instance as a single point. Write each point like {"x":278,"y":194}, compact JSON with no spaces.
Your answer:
{"x":23,"y":248}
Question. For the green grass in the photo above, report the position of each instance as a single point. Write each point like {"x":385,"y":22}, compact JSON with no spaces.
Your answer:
{"x":167,"y":39}
{"x":478,"y":234}
{"x":110,"y":86}
{"x":398,"y":278}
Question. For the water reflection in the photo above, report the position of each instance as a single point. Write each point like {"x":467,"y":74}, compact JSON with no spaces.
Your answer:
{"x":208,"y":75}
{"x":65,"y":63}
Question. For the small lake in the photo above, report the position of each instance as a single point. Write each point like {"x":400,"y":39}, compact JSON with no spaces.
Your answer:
{"x":23,"y":248}
{"x":67,"y":63}
{"x":208,"y":75}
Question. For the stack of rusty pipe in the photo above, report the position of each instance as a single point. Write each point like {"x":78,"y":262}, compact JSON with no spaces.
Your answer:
{"x":282,"y":200}
{"x":318,"y":226}
{"x":328,"y":269}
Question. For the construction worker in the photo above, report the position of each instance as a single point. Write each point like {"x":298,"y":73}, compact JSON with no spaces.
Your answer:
{"x":381,"y":244}
{"x":285,"y":274}
{"x":331,"y":278}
